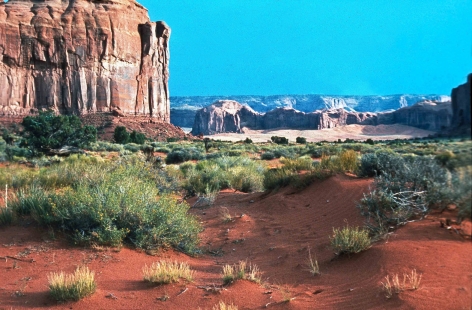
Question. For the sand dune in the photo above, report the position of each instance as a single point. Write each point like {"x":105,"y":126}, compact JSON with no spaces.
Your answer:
{"x":274,"y":230}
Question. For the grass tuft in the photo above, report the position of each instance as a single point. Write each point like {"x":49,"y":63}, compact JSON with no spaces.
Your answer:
{"x":241,"y":271}
{"x":223,"y":306}
{"x":414,"y":279}
{"x":167,"y":272}
{"x":394,"y":285}
{"x":313,"y":265}
{"x":350,"y":240}
{"x":74,"y":286}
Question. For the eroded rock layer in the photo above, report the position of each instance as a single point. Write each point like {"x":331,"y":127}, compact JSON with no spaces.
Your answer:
{"x":82,"y":56}
{"x":231,"y":116}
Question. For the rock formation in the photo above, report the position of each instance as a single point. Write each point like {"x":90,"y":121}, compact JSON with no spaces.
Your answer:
{"x":184,"y":108}
{"x":224,"y":116}
{"x":428,"y":115}
{"x":461,"y":98}
{"x":83,"y":56}
{"x":231,"y":116}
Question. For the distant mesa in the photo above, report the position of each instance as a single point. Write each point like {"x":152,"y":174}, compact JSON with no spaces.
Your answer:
{"x":184,"y":109}
{"x":82,"y":56}
{"x":231,"y":116}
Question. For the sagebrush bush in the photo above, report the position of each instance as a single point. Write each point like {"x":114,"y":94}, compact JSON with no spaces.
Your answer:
{"x":75,"y":286}
{"x":368,"y":165}
{"x":239,"y":173}
{"x":409,"y":187}
{"x":350,"y":240}
{"x":299,"y":164}
{"x":180,"y":155}
{"x":345,"y":161}
{"x":112,"y":203}
{"x":101,"y":146}
{"x":279,"y":177}
{"x":164,"y":272}
{"x":267,"y":155}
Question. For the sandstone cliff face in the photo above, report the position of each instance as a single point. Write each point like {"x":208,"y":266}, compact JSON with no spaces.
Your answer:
{"x":230,"y":116}
{"x":429,"y":115}
{"x":82,"y":56}
{"x":223,"y":116}
{"x":461,"y":98}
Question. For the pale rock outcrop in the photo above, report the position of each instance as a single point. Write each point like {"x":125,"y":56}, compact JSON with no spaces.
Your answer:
{"x":231,"y":116}
{"x":83,"y":56}
{"x":224,"y":116}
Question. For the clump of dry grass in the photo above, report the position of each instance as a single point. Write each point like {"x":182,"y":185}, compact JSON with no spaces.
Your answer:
{"x":286,"y":293}
{"x":414,"y":279}
{"x":73,"y":286}
{"x":223,"y":306}
{"x":167,"y":272}
{"x":241,"y":271}
{"x":228,"y":274}
{"x":394,"y":285}
{"x":225,"y":215}
{"x":313,"y":264}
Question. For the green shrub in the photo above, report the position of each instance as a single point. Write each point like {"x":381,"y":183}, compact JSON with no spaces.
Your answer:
{"x":284,"y":152}
{"x":368,"y":165}
{"x":280,"y":177}
{"x":279,"y":140}
{"x":346,"y":161}
{"x":298,"y":164}
{"x":300,"y":140}
{"x":110,"y":203}
{"x":267,"y":155}
{"x":132,"y":147}
{"x":101,"y":146}
{"x":64,"y":287}
{"x":239,"y":173}
{"x":248,"y":141}
{"x":409,"y":187}
{"x":48,"y":131}
{"x":121,"y":135}
{"x":350,"y":240}
{"x":8,"y":137}
{"x":137,"y":137}
{"x":444,"y":157}
{"x":180,"y":155}
{"x":247,"y":179}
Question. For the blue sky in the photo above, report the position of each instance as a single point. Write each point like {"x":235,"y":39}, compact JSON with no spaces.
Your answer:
{"x":337,"y":47}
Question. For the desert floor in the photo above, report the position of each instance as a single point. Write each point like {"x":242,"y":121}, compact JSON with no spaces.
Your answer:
{"x":275,"y":231}
{"x":355,"y":132}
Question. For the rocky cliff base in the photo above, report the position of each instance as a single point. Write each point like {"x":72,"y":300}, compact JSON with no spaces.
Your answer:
{"x":106,"y":124}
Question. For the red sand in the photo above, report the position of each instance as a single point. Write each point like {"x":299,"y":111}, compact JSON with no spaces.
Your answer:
{"x":275,"y":233}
